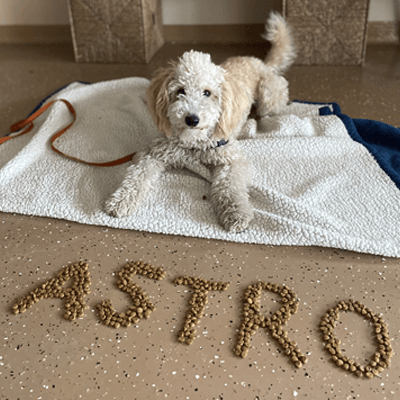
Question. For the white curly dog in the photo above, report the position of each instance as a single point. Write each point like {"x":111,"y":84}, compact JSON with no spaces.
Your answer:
{"x":202,"y":109}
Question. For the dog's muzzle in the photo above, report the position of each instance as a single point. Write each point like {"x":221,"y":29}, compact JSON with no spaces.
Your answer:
{"x":192,"y":120}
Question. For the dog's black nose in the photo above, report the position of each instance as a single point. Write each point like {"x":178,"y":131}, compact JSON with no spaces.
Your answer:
{"x":192,"y":120}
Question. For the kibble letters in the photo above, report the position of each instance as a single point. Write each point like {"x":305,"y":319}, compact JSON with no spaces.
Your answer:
{"x":73,"y":298}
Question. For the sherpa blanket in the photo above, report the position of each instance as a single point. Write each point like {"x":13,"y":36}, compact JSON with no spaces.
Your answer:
{"x":321,"y":178}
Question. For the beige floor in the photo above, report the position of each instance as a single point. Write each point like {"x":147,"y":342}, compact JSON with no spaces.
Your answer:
{"x":45,"y":356}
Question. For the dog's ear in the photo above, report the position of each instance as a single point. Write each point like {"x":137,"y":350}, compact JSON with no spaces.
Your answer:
{"x":158,"y":98}
{"x":234,"y":108}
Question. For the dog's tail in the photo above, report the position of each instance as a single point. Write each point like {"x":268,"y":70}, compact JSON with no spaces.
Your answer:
{"x":283,"y":50}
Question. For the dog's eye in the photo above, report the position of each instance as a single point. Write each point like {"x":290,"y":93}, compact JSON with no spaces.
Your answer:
{"x":181,"y":91}
{"x":207,"y":93}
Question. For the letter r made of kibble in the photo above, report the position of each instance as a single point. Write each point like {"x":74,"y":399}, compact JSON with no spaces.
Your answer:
{"x":252,"y":320}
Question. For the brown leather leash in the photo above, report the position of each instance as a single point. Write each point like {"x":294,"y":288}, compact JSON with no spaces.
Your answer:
{"x":28,"y":123}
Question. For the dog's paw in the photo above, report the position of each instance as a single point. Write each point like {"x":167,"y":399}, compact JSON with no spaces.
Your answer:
{"x":269,"y":125}
{"x":119,"y":205}
{"x":237,"y":221}
{"x":249,"y":130}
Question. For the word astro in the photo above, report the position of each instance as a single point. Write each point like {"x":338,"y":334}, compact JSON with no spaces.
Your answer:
{"x":141,"y":308}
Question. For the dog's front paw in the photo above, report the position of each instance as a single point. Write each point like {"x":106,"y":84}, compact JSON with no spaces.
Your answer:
{"x":120,"y":205}
{"x":236,"y":220}
{"x":249,"y":130}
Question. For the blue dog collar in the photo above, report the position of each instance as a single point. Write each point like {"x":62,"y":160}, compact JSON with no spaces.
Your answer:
{"x":222,"y":142}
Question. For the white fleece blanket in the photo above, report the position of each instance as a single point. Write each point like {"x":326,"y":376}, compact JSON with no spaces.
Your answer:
{"x":313,"y":185}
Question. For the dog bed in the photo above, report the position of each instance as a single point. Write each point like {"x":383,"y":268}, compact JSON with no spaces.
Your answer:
{"x":322,"y":178}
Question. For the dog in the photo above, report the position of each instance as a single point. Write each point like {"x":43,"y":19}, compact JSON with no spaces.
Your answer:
{"x":202,"y":109}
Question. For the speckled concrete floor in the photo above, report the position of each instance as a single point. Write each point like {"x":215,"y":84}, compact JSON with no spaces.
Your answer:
{"x":45,"y":356}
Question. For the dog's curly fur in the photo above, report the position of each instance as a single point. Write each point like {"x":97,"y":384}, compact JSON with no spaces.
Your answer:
{"x":202,"y":108}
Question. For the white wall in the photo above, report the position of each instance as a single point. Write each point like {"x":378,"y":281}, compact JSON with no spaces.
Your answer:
{"x":197,"y":12}
{"x":175,"y":12}
{"x":383,"y":10}
{"x":34,"y":12}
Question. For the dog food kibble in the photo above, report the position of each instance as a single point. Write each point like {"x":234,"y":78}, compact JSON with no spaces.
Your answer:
{"x":198,"y":303}
{"x":252,"y":320}
{"x":379,"y":361}
{"x":72,"y":296}
{"x":142,"y":307}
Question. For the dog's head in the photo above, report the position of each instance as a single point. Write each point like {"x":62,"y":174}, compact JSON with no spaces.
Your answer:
{"x":185,"y":99}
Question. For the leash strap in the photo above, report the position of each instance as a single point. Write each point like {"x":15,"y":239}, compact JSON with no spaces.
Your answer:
{"x":28,"y":124}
